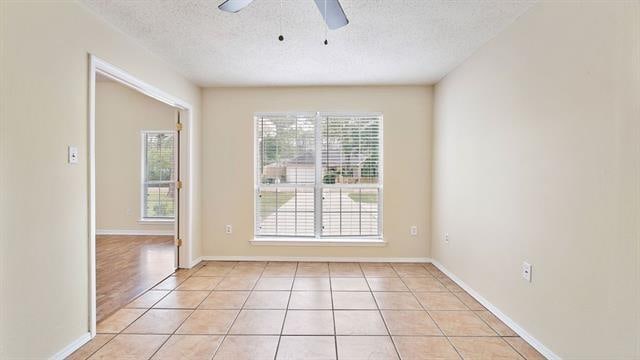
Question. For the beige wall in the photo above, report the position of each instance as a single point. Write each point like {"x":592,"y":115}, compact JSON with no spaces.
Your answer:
{"x":121,"y":115}
{"x":228,"y":162}
{"x":537,"y":158}
{"x":44,"y":227}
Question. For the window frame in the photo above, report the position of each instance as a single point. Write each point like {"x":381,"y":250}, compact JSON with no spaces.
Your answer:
{"x":318,"y":186}
{"x":143,"y":175}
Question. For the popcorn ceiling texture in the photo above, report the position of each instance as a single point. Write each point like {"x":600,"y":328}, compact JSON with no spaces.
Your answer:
{"x":386,"y":42}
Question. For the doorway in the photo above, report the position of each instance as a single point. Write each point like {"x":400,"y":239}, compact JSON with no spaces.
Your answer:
{"x":136,"y":193}
{"x":139,"y":219}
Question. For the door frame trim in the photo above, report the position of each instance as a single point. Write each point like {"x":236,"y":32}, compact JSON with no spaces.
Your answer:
{"x":99,"y":66}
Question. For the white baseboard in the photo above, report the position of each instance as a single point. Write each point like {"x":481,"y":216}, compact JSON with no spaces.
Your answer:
{"x":134,"y":232}
{"x":314,"y":258}
{"x":502,"y":316}
{"x":73,"y":346}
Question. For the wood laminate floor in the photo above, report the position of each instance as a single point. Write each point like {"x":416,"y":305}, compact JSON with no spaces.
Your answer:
{"x":127,"y":266}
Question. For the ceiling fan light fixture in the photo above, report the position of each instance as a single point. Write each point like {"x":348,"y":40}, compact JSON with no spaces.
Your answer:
{"x":233,"y":6}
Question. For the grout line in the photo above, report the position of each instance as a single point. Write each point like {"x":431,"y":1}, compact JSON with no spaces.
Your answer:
{"x":333,"y":313}
{"x":286,"y":311}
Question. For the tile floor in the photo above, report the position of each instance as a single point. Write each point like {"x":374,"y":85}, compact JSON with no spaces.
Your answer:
{"x":306,"y":310}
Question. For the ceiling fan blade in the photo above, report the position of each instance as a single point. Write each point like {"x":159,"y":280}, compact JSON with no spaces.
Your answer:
{"x":335,"y":17}
{"x":234,"y":5}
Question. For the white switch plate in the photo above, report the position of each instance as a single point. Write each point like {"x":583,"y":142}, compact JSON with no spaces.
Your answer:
{"x":526,"y":271}
{"x":72,"y":154}
{"x":228,"y":229}
{"x":446,"y":238}
{"x":414,"y":230}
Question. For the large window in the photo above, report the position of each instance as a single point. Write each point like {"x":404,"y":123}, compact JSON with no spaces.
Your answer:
{"x":318,"y":175}
{"x":158,"y":175}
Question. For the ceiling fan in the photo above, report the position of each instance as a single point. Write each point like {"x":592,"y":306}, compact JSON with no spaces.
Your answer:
{"x":331,"y":11}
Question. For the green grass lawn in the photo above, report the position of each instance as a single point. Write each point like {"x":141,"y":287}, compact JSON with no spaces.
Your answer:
{"x":268,"y":201}
{"x":367,"y":198}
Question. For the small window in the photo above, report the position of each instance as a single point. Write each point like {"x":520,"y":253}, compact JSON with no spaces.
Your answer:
{"x":318,"y":175}
{"x":158,"y":175}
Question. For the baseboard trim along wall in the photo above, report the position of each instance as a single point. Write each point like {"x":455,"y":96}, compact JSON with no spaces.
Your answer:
{"x":73,"y":346}
{"x":505,"y":319}
{"x":311,"y":258}
{"x":134,"y":232}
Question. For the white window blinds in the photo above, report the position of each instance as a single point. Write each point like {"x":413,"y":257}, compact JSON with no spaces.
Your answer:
{"x":318,"y":175}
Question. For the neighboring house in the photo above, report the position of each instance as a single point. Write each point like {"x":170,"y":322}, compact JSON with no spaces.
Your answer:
{"x":342,"y":168}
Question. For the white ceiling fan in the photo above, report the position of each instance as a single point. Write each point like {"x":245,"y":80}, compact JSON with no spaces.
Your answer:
{"x":331,"y":11}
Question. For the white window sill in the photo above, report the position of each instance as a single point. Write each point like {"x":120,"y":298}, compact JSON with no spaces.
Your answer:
{"x":293,"y":241}
{"x":155,"y":221}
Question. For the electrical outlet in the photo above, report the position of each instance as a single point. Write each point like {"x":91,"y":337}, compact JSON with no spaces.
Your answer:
{"x":446,"y":238}
{"x":414,"y":230}
{"x":526,"y":271}
{"x":72,"y":155}
{"x":228,"y":229}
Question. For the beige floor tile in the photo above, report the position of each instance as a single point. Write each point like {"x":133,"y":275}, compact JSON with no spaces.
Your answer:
{"x":275,"y":283}
{"x":450,"y":285}
{"x":424,"y":284}
{"x":118,"y":321}
{"x":158,"y":321}
{"x":461,"y":323}
{"x":425,"y":348}
{"x":213,"y":271}
{"x":397,"y":301}
{"x":440,"y":301}
{"x":247,"y":269}
{"x":349,"y":284}
{"x":366,"y":348}
{"x":169,"y":283}
{"x":307,"y":347}
{"x":526,"y":350}
{"x":312,"y":269}
{"x":225,"y":300}
{"x":237,"y":283}
{"x":311,"y":284}
{"x":378,"y":270}
{"x":411,"y":270}
{"x":310,"y":300}
{"x":214,"y":322}
{"x":408,"y":322}
{"x":199,"y":283}
{"x":267,"y":300}
{"x":480,"y":348}
{"x":90,"y":347}
{"x":468,"y":300}
{"x":147,"y":299}
{"x":192,"y":347}
{"x":363,"y":322}
{"x":258,"y":322}
{"x":386,"y":284}
{"x":496,"y":324}
{"x":247,"y":348}
{"x":182,"y":300}
{"x":353,"y":300}
{"x":345,"y":270}
{"x":280,"y":269}
{"x":130,"y":347}
{"x":308,"y":322}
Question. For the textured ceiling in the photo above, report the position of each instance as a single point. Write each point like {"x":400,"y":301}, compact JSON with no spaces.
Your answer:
{"x":386,"y":42}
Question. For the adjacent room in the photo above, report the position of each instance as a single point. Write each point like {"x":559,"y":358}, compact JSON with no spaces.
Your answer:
{"x":320,"y":179}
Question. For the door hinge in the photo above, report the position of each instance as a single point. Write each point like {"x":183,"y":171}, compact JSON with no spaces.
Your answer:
{"x":178,"y":184}
{"x":178,"y":242}
{"x":178,"y":126}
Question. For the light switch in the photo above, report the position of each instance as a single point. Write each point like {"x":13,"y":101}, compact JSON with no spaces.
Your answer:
{"x":73,"y":155}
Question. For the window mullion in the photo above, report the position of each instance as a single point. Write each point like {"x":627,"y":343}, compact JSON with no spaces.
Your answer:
{"x":318,"y":178}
